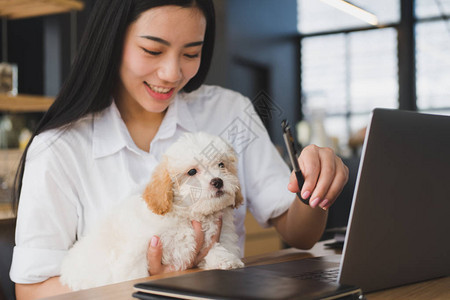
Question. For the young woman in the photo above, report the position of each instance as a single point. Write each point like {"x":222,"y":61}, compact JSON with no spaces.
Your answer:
{"x":134,"y":88}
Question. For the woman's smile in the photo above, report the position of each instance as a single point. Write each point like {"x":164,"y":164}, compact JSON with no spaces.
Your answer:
{"x":158,"y":92}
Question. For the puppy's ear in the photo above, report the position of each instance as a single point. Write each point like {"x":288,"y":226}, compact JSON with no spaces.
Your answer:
{"x":238,"y":199}
{"x":231,"y":154}
{"x":232,"y":167}
{"x":159,"y":194}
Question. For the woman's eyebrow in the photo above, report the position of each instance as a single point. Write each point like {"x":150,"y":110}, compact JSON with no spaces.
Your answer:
{"x":193,"y":44}
{"x":164,"y":42}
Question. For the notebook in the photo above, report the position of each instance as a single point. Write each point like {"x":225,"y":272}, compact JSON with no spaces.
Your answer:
{"x":397,"y":232}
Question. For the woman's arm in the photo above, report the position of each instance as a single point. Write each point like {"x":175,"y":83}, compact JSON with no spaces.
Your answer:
{"x":301,"y":226}
{"x":50,"y":287}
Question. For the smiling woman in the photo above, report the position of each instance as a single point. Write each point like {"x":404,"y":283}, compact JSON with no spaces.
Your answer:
{"x":94,"y":84}
{"x":135,"y":87}
{"x":161,"y":54}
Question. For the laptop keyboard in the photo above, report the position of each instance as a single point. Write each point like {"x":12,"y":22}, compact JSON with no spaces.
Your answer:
{"x":329,"y":275}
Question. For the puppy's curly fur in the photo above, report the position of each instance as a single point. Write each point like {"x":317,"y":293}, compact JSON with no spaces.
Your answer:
{"x":196,"y":180}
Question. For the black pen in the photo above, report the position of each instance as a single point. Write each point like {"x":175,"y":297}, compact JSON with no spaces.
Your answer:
{"x":290,"y":146}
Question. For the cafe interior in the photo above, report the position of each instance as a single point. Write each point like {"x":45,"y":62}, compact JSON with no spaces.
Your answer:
{"x":324,"y":65}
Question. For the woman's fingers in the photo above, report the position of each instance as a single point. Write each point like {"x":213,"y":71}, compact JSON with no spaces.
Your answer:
{"x":325,"y":176}
{"x":154,"y":256}
{"x":155,"y":249}
{"x":204,"y":248}
{"x":336,"y":186}
{"x":199,"y":236}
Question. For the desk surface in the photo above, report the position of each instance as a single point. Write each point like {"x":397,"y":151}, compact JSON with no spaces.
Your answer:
{"x":433,"y":289}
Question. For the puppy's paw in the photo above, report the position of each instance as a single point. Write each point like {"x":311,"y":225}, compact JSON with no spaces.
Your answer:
{"x":220,"y":258}
{"x":230,"y":264}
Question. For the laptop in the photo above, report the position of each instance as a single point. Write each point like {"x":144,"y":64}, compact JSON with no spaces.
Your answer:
{"x":397,"y":231}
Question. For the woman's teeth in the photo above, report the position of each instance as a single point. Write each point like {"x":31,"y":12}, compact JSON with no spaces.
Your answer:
{"x":159,"y":90}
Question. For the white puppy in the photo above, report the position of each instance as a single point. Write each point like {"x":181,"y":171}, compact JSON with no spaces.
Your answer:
{"x":196,"y":180}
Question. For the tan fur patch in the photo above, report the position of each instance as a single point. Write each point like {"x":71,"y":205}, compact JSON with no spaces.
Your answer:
{"x":159,"y":194}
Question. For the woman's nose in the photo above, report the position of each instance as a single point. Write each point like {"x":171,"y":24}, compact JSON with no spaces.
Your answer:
{"x":170,"y":70}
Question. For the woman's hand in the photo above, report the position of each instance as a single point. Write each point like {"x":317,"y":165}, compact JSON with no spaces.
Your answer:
{"x":325,"y":176}
{"x":154,"y":252}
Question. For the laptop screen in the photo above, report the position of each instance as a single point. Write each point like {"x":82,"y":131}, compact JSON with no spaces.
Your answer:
{"x":398,"y":226}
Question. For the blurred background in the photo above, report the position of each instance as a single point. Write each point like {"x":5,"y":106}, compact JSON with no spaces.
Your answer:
{"x":322,"y":64}
{"x":298,"y":59}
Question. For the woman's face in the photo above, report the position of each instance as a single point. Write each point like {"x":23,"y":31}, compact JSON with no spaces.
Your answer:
{"x":161,"y":53}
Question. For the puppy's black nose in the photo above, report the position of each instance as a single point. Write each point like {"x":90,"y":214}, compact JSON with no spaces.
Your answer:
{"x":217,"y":183}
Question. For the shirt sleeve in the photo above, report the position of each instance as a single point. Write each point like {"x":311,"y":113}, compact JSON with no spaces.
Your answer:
{"x":262,"y":170}
{"x":47,"y":216}
{"x":268,"y":177}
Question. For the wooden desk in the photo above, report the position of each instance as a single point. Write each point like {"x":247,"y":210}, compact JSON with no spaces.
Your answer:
{"x":433,"y":289}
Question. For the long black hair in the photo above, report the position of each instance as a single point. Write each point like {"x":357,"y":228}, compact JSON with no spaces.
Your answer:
{"x":95,"y":69}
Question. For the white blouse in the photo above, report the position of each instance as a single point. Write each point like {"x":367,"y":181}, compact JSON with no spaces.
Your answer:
{"x":74,"y":175}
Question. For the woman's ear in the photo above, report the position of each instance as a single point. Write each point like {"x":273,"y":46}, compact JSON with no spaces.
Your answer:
{"x":159,"y":194}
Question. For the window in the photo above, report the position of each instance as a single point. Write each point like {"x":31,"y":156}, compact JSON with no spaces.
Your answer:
{"x":432,"y":55}
{"x":318,"y":16}
{"x":345,"y":76}
{"x":432,"y":8}
{"x":433,"y":66}
{"x":349,"y":67}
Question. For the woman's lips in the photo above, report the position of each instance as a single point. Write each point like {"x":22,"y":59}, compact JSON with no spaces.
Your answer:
{"x":159,"y":93}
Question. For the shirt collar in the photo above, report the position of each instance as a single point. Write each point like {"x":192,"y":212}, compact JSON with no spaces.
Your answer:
{"x":178,"y":115}
{"x":110,"y":133}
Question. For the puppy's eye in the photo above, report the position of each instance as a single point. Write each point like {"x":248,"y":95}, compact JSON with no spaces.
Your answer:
{"x":221,"y":165}
{"x":192,"y":172}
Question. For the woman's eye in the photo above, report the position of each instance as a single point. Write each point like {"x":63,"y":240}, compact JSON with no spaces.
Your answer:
{"x":221,"y":165}
{"x":192,"y":55}
{"x":192,"y":172}
{"x":154,"y":53}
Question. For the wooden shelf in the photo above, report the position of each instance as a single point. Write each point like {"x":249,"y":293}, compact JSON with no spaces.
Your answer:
{"x":25,"y":103}
{"x":18,"y":9}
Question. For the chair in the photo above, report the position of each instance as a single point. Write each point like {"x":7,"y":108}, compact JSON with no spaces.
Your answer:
{"x":7,"y":231}
{"x":340,"y":211}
